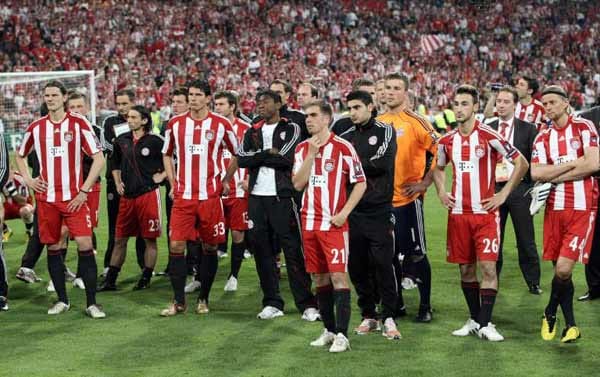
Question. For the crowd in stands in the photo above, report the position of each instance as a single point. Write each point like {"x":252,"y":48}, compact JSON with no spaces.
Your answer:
{"x":155,"y":45}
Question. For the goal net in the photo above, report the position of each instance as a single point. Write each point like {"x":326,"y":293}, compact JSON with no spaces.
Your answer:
{"x":21,"y":98}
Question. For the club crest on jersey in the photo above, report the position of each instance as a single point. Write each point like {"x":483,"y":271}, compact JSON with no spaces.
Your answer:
{"x":373,"y":140}
{"x":479,"y":151}
{"x":399,"y":132}
{"x":329,"y":164}
{"x":282,"y":135}
{"x":145,"y":152}
{"x":530,"y":118}
{"x":210,"y":135}
{"x":68,"y":136}
{"x":575,"y":143}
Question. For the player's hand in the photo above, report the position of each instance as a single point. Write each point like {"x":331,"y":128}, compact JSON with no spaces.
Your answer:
{"x":244,"y":184}
{"x":226,"y":187}
{"x":412,"y":188}
{"x":314,"y":144}
{"x":339,"y":219}
{"x":77,"y":202}
{"x":37,"y":184}
{"x":120,"y":188}
{"x":172,"y":192}
{"x":273,"y":151}
{"x":158,"y":177}
{"x":447,"y":200}
{"x":492,"y":203}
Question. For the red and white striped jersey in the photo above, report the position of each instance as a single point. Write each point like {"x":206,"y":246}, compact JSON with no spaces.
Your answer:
{"x":235,"y":189}
{"x":474,"y":159}
{"x":59,"y":148}
{"x":198,"y":146}
{"x":555,"y":146}
{"x":336,"y":165}
{"x":532,"y":113}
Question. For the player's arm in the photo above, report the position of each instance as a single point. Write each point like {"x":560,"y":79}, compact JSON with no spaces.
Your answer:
{"x":429,"y":141}
{"x":248,"y":155}
{"x":37,"y":184}
{"x":517,"y":175}
{"x":357,"y":193}
{"x":284,"y":158}
{"x":303,"y":165}
{"x":116,"y":173}
{"x":439,"y":179}
{"x":98,"y":162}
{"x":583,"y":166}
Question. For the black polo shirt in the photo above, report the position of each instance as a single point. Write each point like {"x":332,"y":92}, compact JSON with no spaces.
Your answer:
{"x":138,"y":161}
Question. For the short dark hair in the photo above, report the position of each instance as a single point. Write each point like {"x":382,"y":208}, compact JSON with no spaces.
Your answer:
{"x":231,"y":98}
{"x":362,"y":82}
{"x":269,"y":93}
{"x":181,"y":91}
{"x":73,"y":94}
{"x":398,"y":76}
{"x":324,"y":107}
{"x":286,"y":85}
{"x":314,"y":91}
{"x":203,"y":85}
{"x":532,"y":83}
{"x":56,"y":84}
{"x":468,"y":89}
{"x":511,"y":90}
{"x":360,"y":95}
{"x":555,"y":89}
{"x":145,"y":114}
{"x":126,"y":92}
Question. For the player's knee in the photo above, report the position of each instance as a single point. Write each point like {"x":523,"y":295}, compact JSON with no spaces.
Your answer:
{"x":339,"y":280}
{"x":237,"y":236}
{"x":488,"y":270}
{"x":563,"y":272}
{"x":177,"y":247}
{"x":208,"y":249}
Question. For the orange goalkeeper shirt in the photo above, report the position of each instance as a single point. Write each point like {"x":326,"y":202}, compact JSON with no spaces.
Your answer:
{"x":415,"y":137}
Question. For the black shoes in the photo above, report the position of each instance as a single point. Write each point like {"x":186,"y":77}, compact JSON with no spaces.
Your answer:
{"x":424,"y":315}
{"x":535,"y":289}
{"x":106,"y":287}
{"x":143,"y":283}
{"x":588,"y":296}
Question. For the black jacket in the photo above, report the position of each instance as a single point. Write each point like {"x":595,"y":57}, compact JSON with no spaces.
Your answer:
{"x":138,"y":162}
{"x":110,"y":124}
{"x":375,"y":144}
{"x":88,"y":161}
{"x":251,"y":155}
{"x":524,"y":135}
{"x":593,"y":115}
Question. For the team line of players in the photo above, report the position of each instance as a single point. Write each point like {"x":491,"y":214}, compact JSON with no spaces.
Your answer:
{"x":361,"y":183}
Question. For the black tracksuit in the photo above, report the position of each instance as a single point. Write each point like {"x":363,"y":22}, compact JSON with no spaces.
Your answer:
{"x":4,"y":165}
{"x":277,"y":214}
{"x":371,"y":224}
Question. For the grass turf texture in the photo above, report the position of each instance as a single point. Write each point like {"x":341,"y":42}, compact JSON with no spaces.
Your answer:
{"x":230,"y":341}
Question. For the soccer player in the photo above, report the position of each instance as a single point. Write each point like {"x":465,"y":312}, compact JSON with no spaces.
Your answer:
{"x":417,"y":143}
{"x":235,"y":205}
{"x":138,"y":171}
{"x":4,"y":172}
{"x":113,"y":126}
{"x":344,"y":123}
{"x":529,"y":109}
{"x":267,"y":151}
{"x":371,"y":223}
{"x":196,"y":139}
{"x":59,"y":140}
{"x":324,"y":166}
{"x":520,"y":134}
{"x":473,"y":233}
{"x":566,"y":154}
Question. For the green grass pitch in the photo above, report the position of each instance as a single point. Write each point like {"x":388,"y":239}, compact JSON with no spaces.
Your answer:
{"x":134,"y":341}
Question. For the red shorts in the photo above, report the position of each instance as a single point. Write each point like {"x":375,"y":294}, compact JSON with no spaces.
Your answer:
{"x":52,"y":215}
{"x":13,"y":210}
{"x":566,"y":234}
{"x":236,"y":213}
{"x":472,"y":238}
{"x":325,"y":251}
{"x":193,"y":219}
{"x":139,"y":216}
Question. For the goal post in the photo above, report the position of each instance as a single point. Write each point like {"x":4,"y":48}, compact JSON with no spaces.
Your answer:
{"x":21,"y":98}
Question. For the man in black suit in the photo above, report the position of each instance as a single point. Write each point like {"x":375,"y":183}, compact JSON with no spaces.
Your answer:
{"x":592,"y":269}
{"x":521,"y":134}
